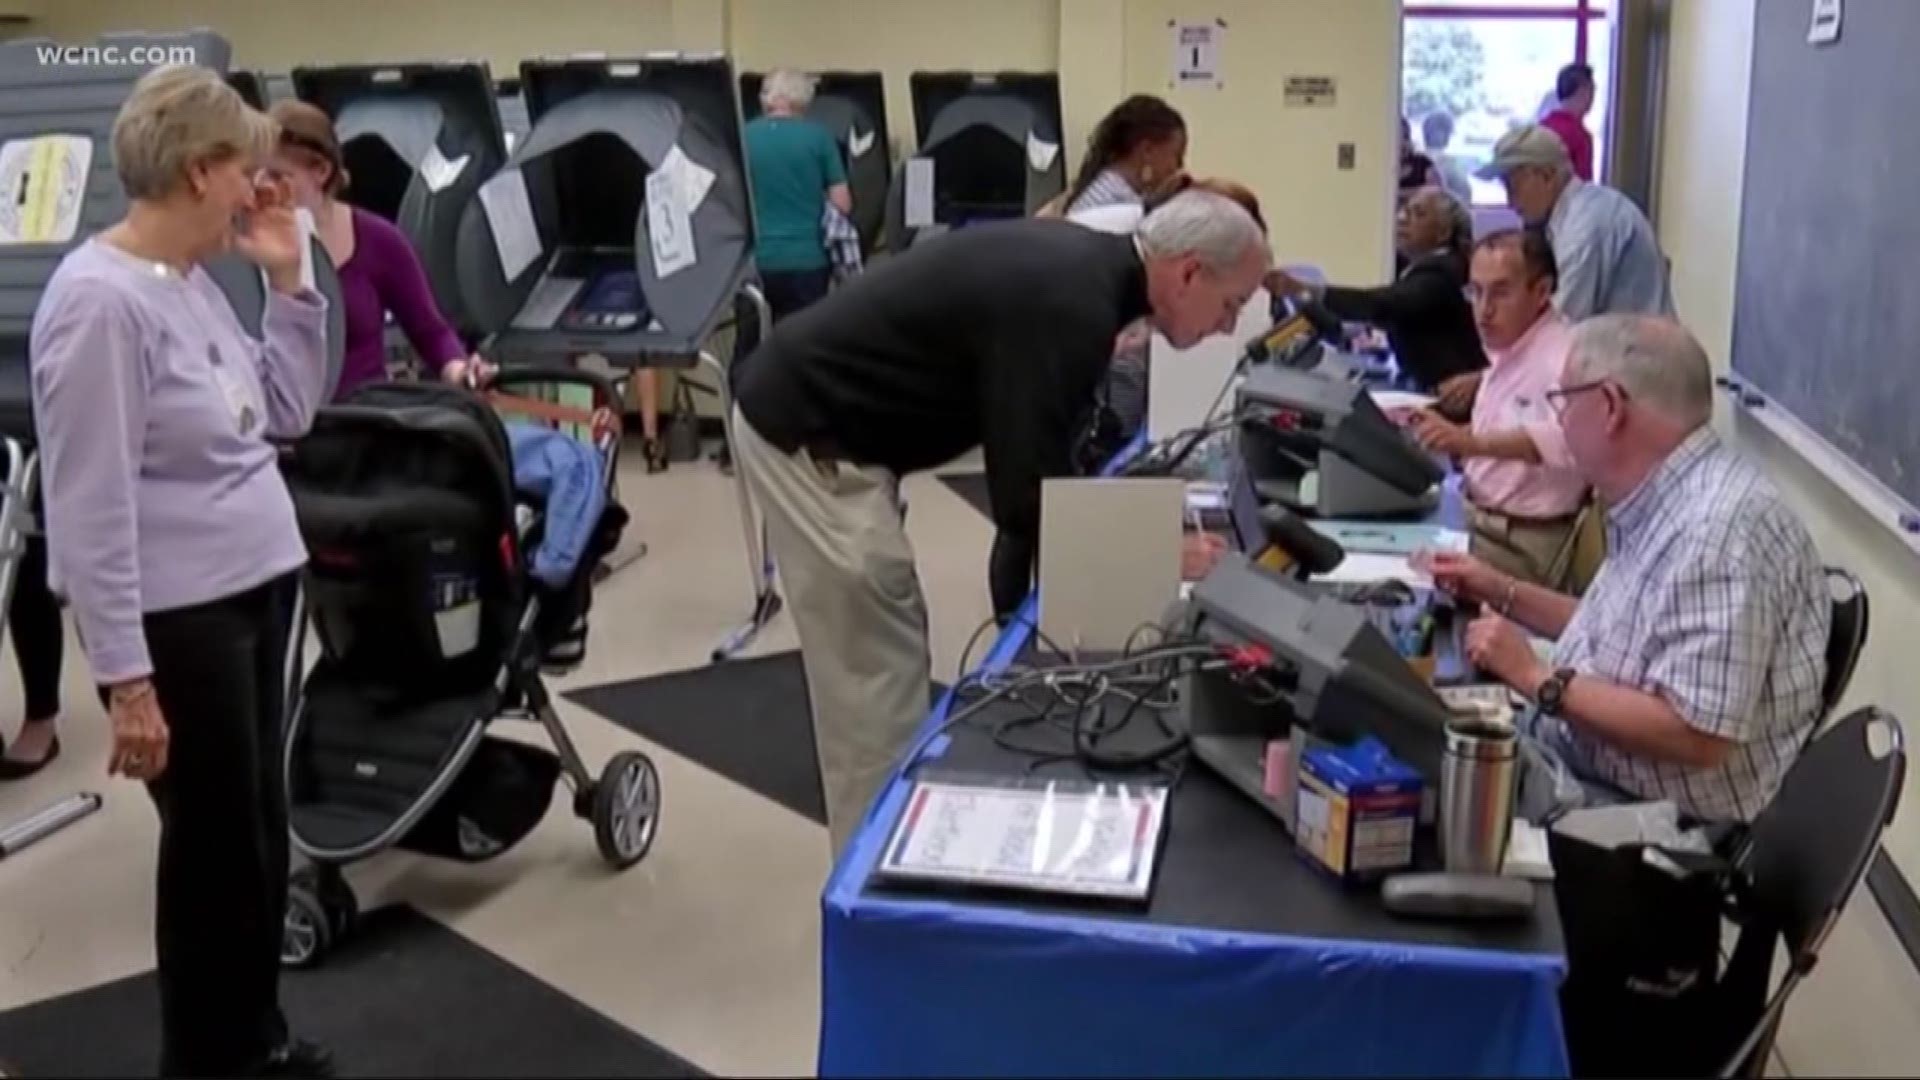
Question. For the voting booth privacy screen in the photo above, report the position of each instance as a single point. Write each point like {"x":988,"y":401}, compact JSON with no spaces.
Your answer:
{"x":989,"y":149}
{"x":621,"y":223}
{"x":57,"y":175}
{"x":418,"y":140}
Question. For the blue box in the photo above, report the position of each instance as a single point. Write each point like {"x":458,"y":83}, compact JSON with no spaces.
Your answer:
{"x":1356,"y":809}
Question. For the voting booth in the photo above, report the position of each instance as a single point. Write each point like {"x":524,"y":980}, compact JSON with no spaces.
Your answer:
{"x":989,"y":149}
{"x":260,"y":88}
{"x":852,"y":106}
{"x":621,"y":226}
{"x":417,"y":141}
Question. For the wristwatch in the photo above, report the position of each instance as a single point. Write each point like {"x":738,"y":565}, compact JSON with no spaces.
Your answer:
{"x":1553,"y":692}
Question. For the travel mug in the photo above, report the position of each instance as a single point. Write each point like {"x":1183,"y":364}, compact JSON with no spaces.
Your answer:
{"x":1477,"y":774}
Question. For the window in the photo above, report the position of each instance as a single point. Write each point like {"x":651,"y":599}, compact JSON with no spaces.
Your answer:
{"x":1490,"y":66}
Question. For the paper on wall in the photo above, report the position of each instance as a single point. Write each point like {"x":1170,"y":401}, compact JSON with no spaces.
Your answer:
{"x":1040,"y":153}
{"x":669,"y":224}
{"x":438,"y":172}
{"x":510,"y":214}
{"x":919,"y":198}
{"x":43,"y":186}
{"x":303,"y":223}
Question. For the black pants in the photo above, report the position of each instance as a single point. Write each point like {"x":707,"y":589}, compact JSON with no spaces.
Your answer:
{"x":221,"y":897}
{"x":33,"y":622}
{"x":788,"y":291}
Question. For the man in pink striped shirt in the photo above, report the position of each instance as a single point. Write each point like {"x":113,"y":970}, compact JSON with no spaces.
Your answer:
{"x":1523,"y":495}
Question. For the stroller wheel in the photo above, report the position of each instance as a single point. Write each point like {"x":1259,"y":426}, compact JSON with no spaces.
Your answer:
{"x":308,"y":930}
{"x":626,"y":808}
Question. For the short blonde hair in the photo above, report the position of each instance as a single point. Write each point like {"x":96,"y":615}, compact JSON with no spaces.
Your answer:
{"x":179,"y":116}
{"x":794,"y":88}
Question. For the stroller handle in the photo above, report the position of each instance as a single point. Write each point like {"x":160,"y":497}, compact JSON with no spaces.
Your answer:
{"x":605,"y":394}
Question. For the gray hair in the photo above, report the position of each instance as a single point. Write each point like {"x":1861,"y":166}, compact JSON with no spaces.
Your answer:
{"x":1656,"y":360}
{"x":786,"y":86}
{"x":179,"y":116}
{"x":1213,"y":228}
{"x":1459,"y":219}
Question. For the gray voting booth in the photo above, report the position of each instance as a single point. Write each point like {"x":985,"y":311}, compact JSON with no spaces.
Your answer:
{"x":852,"y":106}
{"x":259,"y":88}
{"x":621,"y":226}
{"x":418,"y":140}
{"x":989,"y":150}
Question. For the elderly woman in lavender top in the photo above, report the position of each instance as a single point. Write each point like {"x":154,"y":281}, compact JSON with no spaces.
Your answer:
{"x":173,"y":538}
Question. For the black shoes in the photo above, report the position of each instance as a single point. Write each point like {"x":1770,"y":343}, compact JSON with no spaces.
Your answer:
{"x":14,"y":769}
{"x":297,"y":1058}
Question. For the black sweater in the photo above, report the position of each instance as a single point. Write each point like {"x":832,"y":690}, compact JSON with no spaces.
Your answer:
{"x":1425,"y":312}
{"x":995,"y":336}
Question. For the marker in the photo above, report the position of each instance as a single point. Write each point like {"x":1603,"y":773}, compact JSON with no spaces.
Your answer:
{"x":1752,"y":401}
{"x":1910,"y":522}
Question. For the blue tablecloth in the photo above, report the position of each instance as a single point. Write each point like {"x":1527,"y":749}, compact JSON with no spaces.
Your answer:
{"x":949,"y":986}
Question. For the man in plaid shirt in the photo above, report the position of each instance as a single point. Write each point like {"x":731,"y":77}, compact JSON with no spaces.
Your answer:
{"x":1692,"y":669}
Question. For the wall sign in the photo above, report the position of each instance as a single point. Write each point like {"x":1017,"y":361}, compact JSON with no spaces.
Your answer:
{"x":1309,"y":92}
{"x":1196,"y":53}
{"x":1825,"y":27}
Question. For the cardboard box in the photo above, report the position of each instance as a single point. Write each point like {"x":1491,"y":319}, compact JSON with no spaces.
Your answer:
{"x":1356,"y":809}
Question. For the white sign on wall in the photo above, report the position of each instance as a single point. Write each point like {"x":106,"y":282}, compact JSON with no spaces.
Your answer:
{"x":1196,"y":53}
{"x":1825,"y":27}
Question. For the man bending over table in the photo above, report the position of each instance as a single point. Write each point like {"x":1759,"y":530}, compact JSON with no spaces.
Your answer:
{"x":1692,"y":669}
{"x":994,"y":336}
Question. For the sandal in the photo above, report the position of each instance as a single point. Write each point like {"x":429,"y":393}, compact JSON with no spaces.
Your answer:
{"x":656,"y":455}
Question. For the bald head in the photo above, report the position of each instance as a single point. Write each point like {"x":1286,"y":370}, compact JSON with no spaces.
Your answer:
{"x":1657,"y":361}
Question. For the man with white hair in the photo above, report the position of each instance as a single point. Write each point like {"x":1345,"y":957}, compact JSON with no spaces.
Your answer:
{"x":1692,"y":669}
{"x":994,"y":336}
{"x":1608,"y":257}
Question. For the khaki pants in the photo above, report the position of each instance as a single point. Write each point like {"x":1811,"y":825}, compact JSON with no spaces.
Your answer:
{"x":839,"y":538}
{"x":1539,"y":552}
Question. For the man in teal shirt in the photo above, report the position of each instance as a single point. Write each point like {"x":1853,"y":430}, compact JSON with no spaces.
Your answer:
{"x":795,"y":168}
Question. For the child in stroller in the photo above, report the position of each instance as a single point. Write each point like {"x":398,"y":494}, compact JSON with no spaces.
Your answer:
{"x":438,"y":589}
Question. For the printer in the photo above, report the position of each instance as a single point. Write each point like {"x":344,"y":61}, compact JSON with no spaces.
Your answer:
{"x":1316,"y":443}
{"x":1307,"y":660}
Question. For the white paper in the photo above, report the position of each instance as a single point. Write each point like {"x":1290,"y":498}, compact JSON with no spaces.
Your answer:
{"x":43,"y":186}
{"x":669,"y":225}
{"x":438,"y":172}
{"x":1365,"y":566}
{"x":1196,"y":53}
{"x":919,"y":198}
{"x":1825,"y":27}
{"x":1100,"y":841}
{"x":694,"y":179}
{"x":1040,"y":153}
{"x":858,"y":142}
{"x":1392,"y":400}
{"x":1527,"y":853}
{"x":510,"y":214}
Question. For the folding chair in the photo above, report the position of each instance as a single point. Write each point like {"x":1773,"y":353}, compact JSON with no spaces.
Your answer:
{"x":1846,"y":639}
{"x":1805,"y":858}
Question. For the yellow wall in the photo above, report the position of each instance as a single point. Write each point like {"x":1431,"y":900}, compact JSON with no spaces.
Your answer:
{"x":1854,"y":1017}
{"x":1102,"y":49}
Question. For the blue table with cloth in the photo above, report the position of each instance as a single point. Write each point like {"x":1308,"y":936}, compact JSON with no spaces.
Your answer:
{"x":1246,"y":962}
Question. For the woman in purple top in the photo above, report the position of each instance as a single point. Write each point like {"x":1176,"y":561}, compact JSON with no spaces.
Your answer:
{"x":173,"y":539}
{"x":379,"y":270}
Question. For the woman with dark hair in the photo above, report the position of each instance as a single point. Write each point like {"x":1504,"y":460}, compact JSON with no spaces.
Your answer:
{"x":1424,"y":310}
{"x":1136,"y":152}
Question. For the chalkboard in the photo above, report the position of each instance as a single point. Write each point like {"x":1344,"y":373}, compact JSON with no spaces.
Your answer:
{"x":1827,"y":307}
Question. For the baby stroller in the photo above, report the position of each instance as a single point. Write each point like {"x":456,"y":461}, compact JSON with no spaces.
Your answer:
{"x":431,"y":626}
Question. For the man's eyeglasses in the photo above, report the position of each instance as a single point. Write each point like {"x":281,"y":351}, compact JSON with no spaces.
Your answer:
{"x":1559,"y":398}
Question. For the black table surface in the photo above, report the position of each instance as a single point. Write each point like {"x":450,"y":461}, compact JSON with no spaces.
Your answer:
{"x":1226,"y":863}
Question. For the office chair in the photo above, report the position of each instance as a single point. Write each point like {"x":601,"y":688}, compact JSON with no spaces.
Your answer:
{"x":1806,"y":856}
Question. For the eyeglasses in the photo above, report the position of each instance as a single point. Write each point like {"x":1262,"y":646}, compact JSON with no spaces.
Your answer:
{"x":1559,"y":398}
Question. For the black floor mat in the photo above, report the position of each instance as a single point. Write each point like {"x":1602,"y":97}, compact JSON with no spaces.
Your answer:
{"x":404,"y":996}
{"x":971,"y":486}
{"x":745,"y":719}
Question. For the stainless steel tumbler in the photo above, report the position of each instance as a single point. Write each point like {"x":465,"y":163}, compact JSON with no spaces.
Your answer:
{"x":1476,"y":795}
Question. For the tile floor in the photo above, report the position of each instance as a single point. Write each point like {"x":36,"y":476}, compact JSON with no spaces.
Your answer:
{"x":716,"y":932}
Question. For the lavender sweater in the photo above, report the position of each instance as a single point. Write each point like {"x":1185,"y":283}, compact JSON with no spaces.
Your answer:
{"x":153,"y":409}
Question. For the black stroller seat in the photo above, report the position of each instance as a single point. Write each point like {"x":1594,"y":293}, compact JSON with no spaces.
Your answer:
{"x":431,"y":626}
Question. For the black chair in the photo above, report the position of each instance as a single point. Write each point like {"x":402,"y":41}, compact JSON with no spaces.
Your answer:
{"x":1845,"y":640}
{"x":1805,"y":858}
